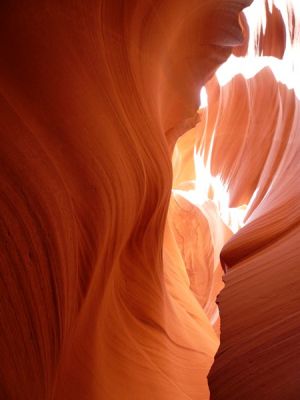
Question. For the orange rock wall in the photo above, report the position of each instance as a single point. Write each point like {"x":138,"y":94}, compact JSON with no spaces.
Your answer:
{"x":259,"y":355}
{"x":93,"y":97}
{"x":108,"y":277}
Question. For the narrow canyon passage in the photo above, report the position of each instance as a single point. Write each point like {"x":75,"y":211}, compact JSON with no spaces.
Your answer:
{"x":150,"y":200}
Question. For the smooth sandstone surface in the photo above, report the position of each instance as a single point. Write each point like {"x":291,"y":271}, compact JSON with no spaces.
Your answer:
{"x":110,"y":235}
{"x":259,"y":355}
{"x":93,"y":97}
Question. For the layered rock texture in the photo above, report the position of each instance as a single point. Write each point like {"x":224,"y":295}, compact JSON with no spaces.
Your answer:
{"x":259,"y":356}
{"x":118,"y":195}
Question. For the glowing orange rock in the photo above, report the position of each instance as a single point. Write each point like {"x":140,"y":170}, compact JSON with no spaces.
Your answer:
{"x":259,"y":355}
{"x":89,"y":93}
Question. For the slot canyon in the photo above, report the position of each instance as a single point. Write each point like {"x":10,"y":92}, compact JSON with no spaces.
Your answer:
{"x":150,"y":200}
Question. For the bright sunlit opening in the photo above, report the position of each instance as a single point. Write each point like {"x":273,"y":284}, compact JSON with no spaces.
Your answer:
{"x":203,"y":98}
{"x":210,"y":188}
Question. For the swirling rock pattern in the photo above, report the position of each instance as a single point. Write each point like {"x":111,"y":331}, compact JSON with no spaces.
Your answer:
{"x":259,"y":356}
{"x":109,"y":271}
{"x":93,"y":97}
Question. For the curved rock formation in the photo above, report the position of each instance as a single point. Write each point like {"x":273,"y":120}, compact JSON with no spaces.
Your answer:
{"x":259,"y":356}
{"x":90,"y":91}
{"x":248,"y":138}
{"x":119,"y":194}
